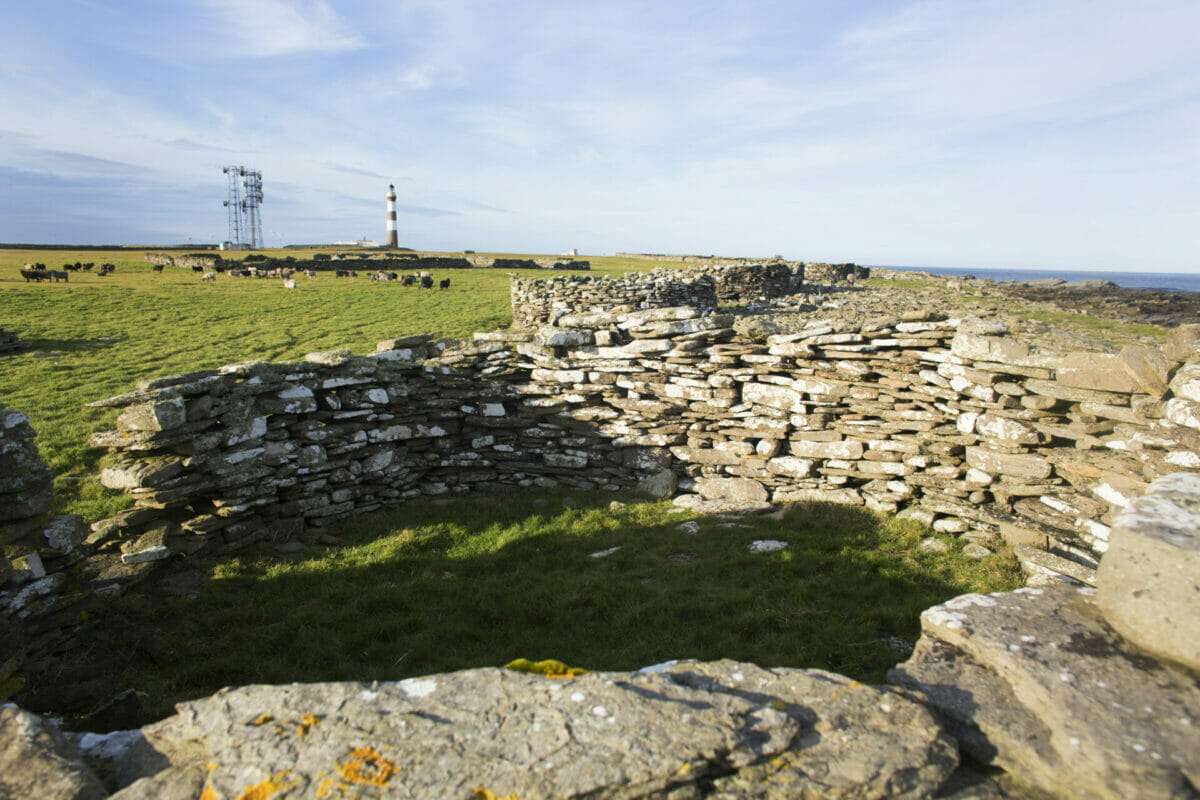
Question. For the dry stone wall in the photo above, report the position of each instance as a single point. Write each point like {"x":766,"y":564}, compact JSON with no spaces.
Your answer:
{"x":538,"y":302}
{"x":953,"y":422}
{"x":830,"y":274}
{"x":36,"y":548}
{"x":949,"y":421}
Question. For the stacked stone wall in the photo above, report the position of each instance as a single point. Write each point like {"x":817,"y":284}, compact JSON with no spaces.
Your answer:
{"x":36,"y":548}
{"x":831,"y":274}
{"x":950,"y":421}
{"x":187,"y":260}
{"x":538,"y":302}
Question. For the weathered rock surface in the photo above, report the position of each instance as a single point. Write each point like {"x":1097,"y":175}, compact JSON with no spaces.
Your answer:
{"x":1036,"y":682}
{"x":733,"y":729}
{"x":1148,"y":584}
{"x":37,"y":762}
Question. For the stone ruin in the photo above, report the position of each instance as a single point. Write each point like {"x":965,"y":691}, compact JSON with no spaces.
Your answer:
{"x":953,"y":422}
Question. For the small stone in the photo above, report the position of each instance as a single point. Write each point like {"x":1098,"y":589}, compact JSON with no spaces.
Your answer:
{"x":976,"y":551}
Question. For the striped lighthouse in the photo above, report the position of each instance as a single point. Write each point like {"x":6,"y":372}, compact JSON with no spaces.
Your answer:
{"x":392,"y":238}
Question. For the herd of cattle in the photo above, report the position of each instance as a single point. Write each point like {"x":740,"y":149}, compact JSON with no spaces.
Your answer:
{"x":38,"y":272}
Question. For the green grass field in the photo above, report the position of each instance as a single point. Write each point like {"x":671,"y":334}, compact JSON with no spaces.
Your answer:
{"x":428,"y":587}
{"x":480,"y":581}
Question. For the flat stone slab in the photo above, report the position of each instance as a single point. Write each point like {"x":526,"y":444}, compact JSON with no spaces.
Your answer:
{"x":736,"y":729}
{"x":1036,"y":682}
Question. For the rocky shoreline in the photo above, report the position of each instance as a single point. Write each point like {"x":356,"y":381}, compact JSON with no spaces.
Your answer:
{"x":1100,"y":298}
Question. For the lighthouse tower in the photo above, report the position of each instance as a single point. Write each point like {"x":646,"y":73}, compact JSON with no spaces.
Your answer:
{"x":392,"y":239}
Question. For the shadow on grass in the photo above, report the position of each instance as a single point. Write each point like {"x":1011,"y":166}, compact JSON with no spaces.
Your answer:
{"x":479,"y":582}
{"x":67,"y":345}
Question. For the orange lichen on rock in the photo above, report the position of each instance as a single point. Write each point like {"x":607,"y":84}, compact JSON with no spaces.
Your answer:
{"x":366,"y":765}
{"x":263,"y":790}
{"x":209,"y":793}
{"x":261,"y":719}
{"x":481,"y":793}
{"x":306,"y":723}
{"x":550,"y":668}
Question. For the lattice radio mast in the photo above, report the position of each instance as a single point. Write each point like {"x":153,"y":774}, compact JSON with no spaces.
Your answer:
{"x":245,"y":196}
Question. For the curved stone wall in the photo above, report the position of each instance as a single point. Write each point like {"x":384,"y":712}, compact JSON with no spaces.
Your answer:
{"x":950,"y":421}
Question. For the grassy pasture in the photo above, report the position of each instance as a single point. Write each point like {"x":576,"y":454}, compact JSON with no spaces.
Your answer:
{"x":432,"y":587}
{"x":479,"y":581}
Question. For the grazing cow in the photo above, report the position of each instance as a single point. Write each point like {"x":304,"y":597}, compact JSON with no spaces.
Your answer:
{"x":287,"y":273}
{"x":88,"y":267}
{"x":342,"y":273}
{"x":289,"y":283}
{"x":353,"y":274}
{"x":103,"y":267}
{"x":208,"y":276}
{"x":71,"y":267}
{"x":219,"y":269}
{"x":426,"y":282}
{"x":197,"y":268}
{"x":408,"y":280}
{"x":157,"y":268}
{"x":60,"y":275}
{"x":444,"y":283}
{"x":32,"y":275}
{"x":312,"y":273}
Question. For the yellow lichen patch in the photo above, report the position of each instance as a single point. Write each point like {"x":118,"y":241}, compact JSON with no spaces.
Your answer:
{"x":325,"y":789}
{"x":209,"y":793}
{"x":366,"y":765}
{"x":481,"y":793}
{"x":550,"y":668}
{"x":306,"y":723}
{"x":261,"y":719}
{"x":265,"y":789}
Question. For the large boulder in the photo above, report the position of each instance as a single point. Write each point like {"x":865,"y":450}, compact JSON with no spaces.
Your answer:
{"x":726,"y":729}
{"x":1036,"y":682}
{"x":36,"y":761}
{"x":1148,"y":584}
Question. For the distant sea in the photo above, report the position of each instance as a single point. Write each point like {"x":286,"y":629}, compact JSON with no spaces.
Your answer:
{"x":1178,"y":281}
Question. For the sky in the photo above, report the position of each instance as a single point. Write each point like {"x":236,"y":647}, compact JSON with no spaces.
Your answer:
{"x":1058,"y":134}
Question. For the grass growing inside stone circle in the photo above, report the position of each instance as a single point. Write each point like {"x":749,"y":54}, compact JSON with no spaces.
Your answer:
{"x":95,"y":337}
{"x":479,"y":581}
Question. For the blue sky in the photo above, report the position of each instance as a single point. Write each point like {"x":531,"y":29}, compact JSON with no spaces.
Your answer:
{"x":1056,"y":134}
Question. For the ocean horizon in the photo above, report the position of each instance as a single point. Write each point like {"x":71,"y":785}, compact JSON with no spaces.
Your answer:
{"x":1175,"y":281}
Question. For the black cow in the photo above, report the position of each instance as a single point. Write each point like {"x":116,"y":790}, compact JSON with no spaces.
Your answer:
{"x":426,"y":282}
{"x":444,"y":283}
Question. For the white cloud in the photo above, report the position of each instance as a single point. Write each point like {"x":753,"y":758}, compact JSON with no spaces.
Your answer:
{"x":261,"y":28}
